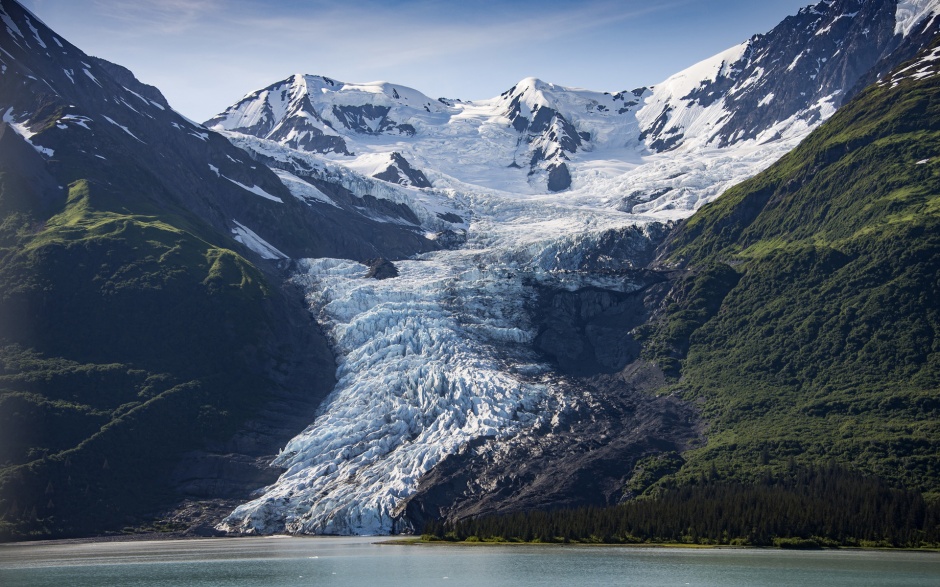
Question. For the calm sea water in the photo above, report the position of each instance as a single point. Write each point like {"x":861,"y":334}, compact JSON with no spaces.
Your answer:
{"x":273,"y":562}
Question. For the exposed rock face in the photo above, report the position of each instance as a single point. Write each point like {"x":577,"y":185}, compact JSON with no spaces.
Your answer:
{"x":586,"y":452}
{"x":917,"y":35}
{"x":37,"y":189}
{"x":589,"y":331}
{"x":369,"y":119}
{"x":559,"y":178}
{"x":236,"y":468}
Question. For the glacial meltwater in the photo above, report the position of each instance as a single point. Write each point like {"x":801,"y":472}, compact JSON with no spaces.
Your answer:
{"x":277,"y":561}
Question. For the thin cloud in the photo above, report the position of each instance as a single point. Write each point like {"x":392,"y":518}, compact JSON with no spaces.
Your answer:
{"x":412,"y":33}
{"x":168,"y":16}
{"x":204,"y":54}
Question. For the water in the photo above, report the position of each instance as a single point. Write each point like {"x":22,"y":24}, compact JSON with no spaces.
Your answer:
{"x":280,"y":561}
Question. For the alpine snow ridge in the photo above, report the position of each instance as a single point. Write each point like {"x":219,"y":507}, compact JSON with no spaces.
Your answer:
{"x":535,"y":183}
{"x":534,"y":126}
{"x":539,"y":137}
{"x":792,"y":75}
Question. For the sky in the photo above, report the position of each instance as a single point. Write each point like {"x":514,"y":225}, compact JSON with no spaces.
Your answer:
{"x":205,"y":55}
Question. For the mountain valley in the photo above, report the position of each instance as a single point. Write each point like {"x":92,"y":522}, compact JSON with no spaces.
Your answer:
{"x":344,"y":308}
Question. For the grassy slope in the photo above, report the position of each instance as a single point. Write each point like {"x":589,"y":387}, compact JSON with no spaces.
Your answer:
{"x":126,"y":340}
{"x":810,"y":327}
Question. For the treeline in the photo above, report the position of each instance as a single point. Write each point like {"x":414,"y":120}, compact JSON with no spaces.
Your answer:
{"x":800,"y":508}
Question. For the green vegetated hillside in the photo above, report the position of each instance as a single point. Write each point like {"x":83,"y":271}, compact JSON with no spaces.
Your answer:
{"x":806,"y":325}
{"x":809,"y":327}
{"x":126,"y":339}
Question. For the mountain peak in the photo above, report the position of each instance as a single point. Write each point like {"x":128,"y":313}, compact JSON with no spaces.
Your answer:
{"x":780,"y":83}
{"x":326,"y":91}
{"x":532,"y":83}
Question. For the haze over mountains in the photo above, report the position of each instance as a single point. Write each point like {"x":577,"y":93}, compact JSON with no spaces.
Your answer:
{"x":527,"y":349}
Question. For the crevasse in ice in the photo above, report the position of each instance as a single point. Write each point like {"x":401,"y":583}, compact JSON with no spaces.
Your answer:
{"x":418,"y":377}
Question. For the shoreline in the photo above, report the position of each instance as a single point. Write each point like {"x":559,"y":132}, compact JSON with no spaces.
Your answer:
{"x":671,"y":545}
{"x":166,"y":537}
{"x":417,"y":541}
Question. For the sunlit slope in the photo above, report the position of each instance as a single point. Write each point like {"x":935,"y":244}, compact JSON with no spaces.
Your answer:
{"x":811,"y":321}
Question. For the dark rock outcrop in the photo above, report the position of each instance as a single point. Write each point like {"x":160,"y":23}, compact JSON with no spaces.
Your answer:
{"x":559,"y":178}
{"x":381,"y":269}
{"x":585,"y":451}
{"x":401,"y":172}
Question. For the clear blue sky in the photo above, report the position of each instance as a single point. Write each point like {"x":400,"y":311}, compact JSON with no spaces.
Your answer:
{"x":204,"y":55}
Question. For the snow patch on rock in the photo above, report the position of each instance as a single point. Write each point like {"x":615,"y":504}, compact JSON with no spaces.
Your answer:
{"x":247,"y":237}
{"x":301,"y":189}
{"x":254,"y":190}
{"x":122,"y":127}
{"x":11,"y":26}
{"x":35,"y":32}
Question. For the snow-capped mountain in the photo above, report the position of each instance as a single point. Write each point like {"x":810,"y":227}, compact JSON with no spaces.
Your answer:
{"x":760,"y":88}
{"x":537,"y":137}
{"x":67,"y":103}
{"x":437,"y":364}
{"x":310,"y":112}
{"x":534,"y":126}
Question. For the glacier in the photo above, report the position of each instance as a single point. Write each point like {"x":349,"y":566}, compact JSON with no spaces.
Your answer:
{"x":419,"y":375}
{"x":442,"y":355}
{"x":427,"y":362}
